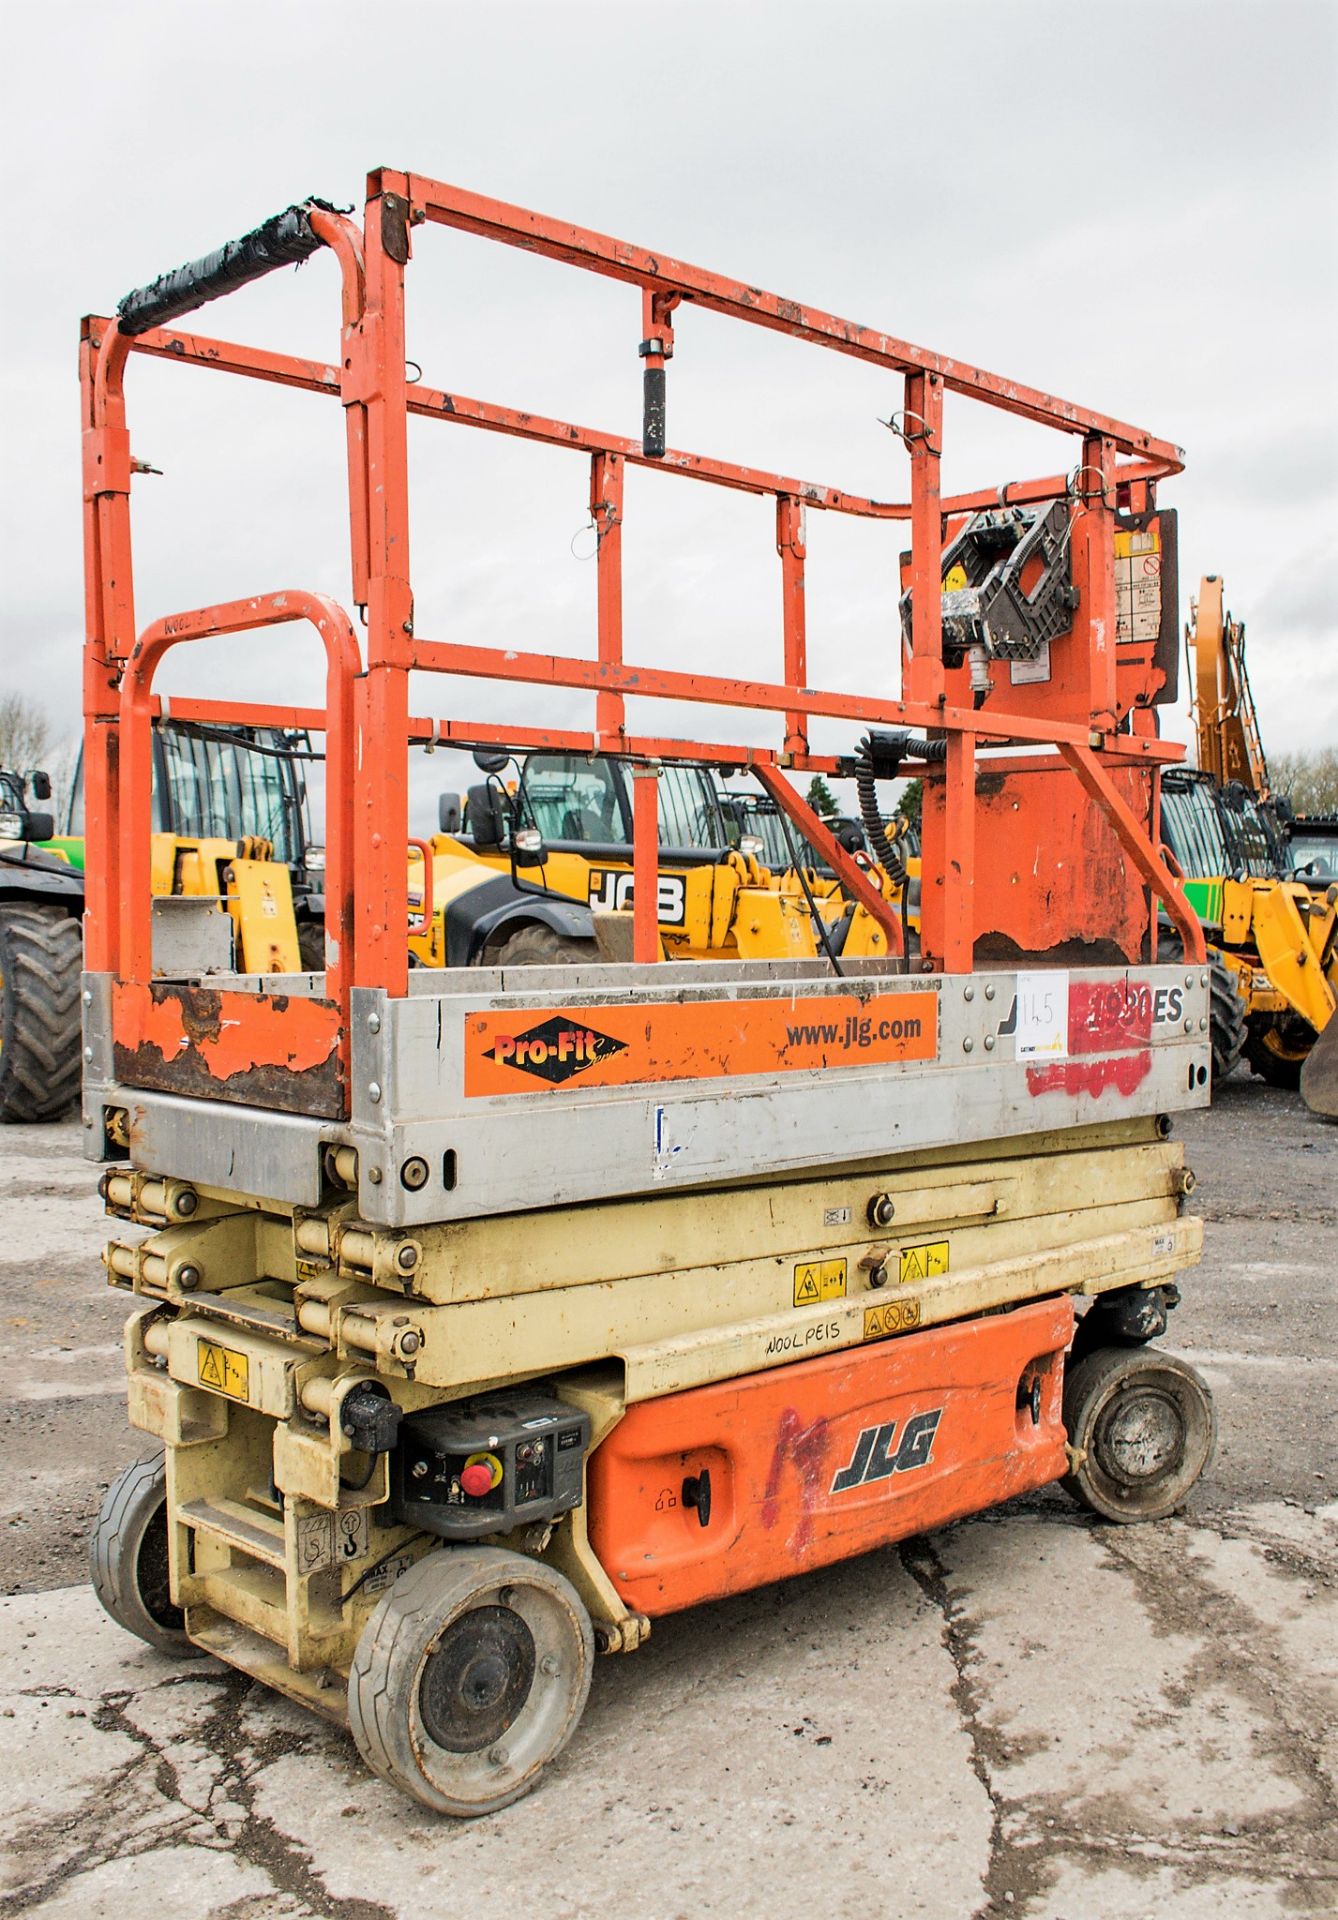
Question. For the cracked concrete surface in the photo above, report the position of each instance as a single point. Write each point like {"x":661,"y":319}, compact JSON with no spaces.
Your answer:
{"x":1029,"y":1713}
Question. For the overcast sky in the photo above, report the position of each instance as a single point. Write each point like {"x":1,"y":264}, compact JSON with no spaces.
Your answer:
{"x":1130,"y":205}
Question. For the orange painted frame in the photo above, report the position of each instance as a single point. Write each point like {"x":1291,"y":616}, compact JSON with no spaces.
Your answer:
{"x":370,"y":830}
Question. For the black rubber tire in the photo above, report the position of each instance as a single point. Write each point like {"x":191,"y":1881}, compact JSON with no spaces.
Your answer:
{"x":1146,"y":1423}
{"x":41,"y":959}
{"x":1278,"y":1047}
{"x":311,"y":945}
{"x":127,"y":1558}
{"x":539,"y":946}
{"x":414,"y":1621}
{"x":1228,"y":1025}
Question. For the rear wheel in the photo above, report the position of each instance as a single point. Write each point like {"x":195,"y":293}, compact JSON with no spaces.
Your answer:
{"x":469,"y":1677}
{"x":1142,"y":1426}
{"x":1278,"y":1047}
{"x":128,"y":1560}
{"x":537,"y":946}
{"x":41,"y":959}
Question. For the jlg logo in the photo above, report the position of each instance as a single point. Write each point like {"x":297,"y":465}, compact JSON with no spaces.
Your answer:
{"x":876,"y":1458}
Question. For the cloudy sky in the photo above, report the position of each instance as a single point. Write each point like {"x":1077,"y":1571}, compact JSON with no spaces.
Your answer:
{"x":1132,"y":205}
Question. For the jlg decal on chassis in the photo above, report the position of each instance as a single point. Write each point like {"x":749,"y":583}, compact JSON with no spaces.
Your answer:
{"x":622,"y":1046}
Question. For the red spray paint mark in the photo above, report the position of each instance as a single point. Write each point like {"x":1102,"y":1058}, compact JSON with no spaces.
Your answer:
{"x":1112,"y":1017}
{"x":1124,"y":1073}
{"x":1109,"y":1016}
{"x":807,"y":1448}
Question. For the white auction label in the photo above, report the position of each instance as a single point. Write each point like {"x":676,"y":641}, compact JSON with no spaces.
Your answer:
{"x":1042,"y":1016}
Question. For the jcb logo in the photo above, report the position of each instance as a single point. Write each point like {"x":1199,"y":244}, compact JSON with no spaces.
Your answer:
{"x":612,"y":893}
{"x":877,"y":1458}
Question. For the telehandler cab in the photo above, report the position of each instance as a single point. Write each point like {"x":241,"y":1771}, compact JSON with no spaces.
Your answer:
{"x":486,"y":1315}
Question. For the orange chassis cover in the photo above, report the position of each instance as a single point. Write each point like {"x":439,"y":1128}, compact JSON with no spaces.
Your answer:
{"x":828,"y":1458}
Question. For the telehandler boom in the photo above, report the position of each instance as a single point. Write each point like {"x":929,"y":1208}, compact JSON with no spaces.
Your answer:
{"x":487,"y":1315}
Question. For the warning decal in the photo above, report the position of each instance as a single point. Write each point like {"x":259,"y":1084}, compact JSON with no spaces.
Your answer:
{"x":923,"y":1263}
{"x":223,"y":1369}
{"x":895,"y":1317}
{"x":539,"y":1049}
{"x":819,"y":1280}
{"x":1138,"y":583}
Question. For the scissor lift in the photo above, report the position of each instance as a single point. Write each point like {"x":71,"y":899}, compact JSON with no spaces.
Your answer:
{"x":487,"y":1315}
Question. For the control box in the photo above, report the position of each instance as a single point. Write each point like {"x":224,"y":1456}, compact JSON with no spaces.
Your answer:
{"x":482,"y":1466}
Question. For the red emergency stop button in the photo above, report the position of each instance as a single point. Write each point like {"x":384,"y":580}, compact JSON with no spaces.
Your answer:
{"x":476,"y":1480}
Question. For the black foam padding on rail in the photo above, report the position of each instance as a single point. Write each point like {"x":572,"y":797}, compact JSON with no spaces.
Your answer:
{"x":285,"y":240}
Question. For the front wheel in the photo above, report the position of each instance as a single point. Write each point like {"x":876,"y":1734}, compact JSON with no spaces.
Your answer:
{"x":469,"y":1677}
{"x":1142,"y":1427}
{"x":128,"y":1559}
{"x":539,"y":946}
{"x":41,"y":957}
{"x":1278,"y":1048}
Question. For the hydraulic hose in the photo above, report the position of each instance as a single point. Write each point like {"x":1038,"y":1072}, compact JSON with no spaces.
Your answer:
{"x":879,"y":758}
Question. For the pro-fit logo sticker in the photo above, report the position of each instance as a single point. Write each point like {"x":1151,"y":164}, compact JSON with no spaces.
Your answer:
{"x":555,"y":1051}
{"x":877,"y":1457}
{"x":575,"y":1049}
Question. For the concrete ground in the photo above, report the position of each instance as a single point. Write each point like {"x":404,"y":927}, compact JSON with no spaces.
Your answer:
{"x":1028,"y":1713}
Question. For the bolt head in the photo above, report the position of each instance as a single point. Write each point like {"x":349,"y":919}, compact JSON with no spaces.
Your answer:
{"x":989,"y":1043}
{"x":409,"y":1342}
{"x":187,"y":1203}
{"x":968,"y":1045}
{"x":406,"y":1259}
{"x":374,"y":1176}
{"x":374,"y":1092}
{"x":88,"y":1053}
{"x":989,"y":993}
{"x":550,"y":1664}
{"x":188,"y":1278}
{"x":373,"y":1023}
{"x":414,"y":1172}
{"x":498,"y":1756}
{"x":968,"y":993}
{"x":88,"y":998}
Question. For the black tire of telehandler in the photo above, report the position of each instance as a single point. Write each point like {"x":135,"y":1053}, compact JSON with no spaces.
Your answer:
{"x":1228,"y":1027}
{"x":41,"y":959}
{"x":311,"y":945}
{"x":539,"y":946}
{"x":1145,"y":1422}
{"x":1275,"y":1050}
{"x":127,"y":1558}
{"x":463,"y":1715}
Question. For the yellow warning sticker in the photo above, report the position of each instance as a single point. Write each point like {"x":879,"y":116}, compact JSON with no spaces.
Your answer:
{"x":924,"y":1262}
{"x":894,"y":1317}
{"x":223,"y":1369}
{"x":819,"y":1280}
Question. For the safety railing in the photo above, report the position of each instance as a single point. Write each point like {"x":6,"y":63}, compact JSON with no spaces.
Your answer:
{"x":1089,"y":714}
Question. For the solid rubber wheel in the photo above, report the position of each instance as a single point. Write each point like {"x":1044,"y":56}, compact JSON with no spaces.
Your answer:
{"x":41,"y":959}
{"x":536,"y":946}
{"x":1146,"y":1423}
{"x":469,"y":1677}
{"x":127,"y":1557}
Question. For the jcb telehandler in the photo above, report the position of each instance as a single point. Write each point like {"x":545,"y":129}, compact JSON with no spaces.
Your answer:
{"x":1275,"y":935}
{"x":485,"y":1316}
{"x":558,"y":838}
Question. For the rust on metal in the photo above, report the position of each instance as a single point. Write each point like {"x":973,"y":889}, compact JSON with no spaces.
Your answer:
{"x":273,"y":1050}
